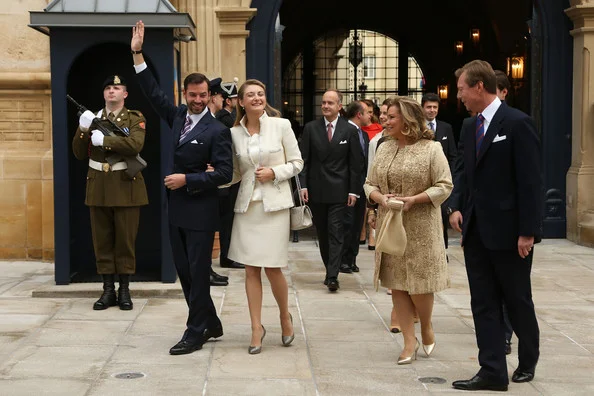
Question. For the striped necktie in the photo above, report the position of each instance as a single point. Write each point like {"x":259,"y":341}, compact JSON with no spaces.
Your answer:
{"x":186,"y":129}
{"x":480,"y":132}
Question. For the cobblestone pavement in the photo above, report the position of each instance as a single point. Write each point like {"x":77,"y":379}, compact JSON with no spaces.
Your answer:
{"x":55,"y":344}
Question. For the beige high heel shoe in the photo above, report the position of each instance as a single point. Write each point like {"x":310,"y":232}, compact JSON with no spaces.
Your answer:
{"x":409,"y":359}
{"x":429,"y":349}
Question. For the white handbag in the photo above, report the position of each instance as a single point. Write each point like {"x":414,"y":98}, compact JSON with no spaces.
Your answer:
{"x":301,"y":217}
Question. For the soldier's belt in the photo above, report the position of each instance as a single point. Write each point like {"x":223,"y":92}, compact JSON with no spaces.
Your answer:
{"x":105,"y":167}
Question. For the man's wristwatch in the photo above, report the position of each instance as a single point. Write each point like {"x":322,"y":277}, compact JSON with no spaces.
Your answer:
{"x":449,"y":211}
{"x":136,"y":52}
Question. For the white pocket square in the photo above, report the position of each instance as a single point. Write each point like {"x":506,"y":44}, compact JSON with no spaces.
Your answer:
{"x":444,"y":138}
{"x":499,"y":138}
{"x":194,"y":142}
{"x":343,"y":142}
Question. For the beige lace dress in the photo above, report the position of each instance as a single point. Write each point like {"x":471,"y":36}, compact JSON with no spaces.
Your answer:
{"x":408,"y":171}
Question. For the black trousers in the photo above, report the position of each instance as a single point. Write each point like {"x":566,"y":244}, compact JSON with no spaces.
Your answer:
{"x":497,"y":276}
{"x":329,"y":222}
{"x":353,"y":221}
{"x":446,"y":221}
{"x":192,"y":252}
{"x":227,"y":198}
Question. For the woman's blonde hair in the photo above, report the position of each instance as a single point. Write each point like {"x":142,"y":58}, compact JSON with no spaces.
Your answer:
{"x":415,"y":126}
{"x":271,"y":111}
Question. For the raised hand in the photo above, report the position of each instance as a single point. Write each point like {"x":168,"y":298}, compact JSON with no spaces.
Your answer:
{"x":137,"y":36}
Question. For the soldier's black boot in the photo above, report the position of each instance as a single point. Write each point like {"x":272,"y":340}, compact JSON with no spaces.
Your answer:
{"x":124,"y":299}
{"x":108,"y":298}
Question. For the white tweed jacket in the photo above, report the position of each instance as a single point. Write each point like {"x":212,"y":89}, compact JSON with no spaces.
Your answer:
{"x":279,"y":150}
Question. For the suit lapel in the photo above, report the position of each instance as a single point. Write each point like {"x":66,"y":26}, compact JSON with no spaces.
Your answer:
{"x":339,"y":133}
{"x":494,"y":128}
{"x":469,"y":147}
{"x":198,"y":129}
{"x":322,"y":138}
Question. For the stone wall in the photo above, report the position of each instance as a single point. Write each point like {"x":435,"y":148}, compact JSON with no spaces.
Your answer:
{"x":26,"y":187}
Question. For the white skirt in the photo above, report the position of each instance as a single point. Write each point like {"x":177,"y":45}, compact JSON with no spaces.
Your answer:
{"x":260,"y":239}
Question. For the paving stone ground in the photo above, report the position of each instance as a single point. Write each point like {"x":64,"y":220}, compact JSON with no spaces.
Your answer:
{"x":55,"y":344}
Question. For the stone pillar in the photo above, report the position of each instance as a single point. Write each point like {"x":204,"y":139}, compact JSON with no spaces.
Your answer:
{"x":220,"y":47}
{"x":232,"y":35}
{"x":26,"y":172}
{"x":580,"y":177}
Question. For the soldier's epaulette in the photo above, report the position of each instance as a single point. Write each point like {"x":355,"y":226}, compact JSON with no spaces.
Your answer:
{"x":135,"y":112}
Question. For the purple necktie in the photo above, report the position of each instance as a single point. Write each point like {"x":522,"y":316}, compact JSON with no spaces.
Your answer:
{"x":186,"y":128}
{"x":480,"y":132}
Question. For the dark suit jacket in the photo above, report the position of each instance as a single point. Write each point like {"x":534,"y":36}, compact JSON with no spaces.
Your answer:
{"x":332,"y":169}
{"x":502,"y":185}
{"x":457,"y":198}
{"x":365,"y":153}
{"x":225,"y":117}
{"x":445,"y":136}
{"x":196,"y":206}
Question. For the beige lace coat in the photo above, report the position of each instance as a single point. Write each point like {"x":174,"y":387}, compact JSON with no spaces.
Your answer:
{"x":416,"y":168}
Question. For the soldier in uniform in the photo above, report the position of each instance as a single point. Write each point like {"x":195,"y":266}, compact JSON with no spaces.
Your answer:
{"x":114,"y":199}
{"x":228,"y":113}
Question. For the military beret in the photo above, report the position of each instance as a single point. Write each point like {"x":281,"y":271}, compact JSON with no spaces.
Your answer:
{"x":114,"y":80}
{"x":215,"y":86}
{"x":230,"y":89}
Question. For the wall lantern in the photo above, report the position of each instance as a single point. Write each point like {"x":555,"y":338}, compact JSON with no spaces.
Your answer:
{"x":459,"y":47}
{"x":355,"y":51}
{"x":515,"y":67}
{"x":443,"y":92}
{"x":475,"y":36}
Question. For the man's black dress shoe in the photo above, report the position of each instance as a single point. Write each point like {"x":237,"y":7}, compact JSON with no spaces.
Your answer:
{"x":523,"y":375}
{"x":211,"y":333}
{"x":354,"y":268}
{"x":507,"y":347}
{"x":228,"y":263}
{"x":345,"y":269}
{"x":478,"y":383}
{"x":218,"y":280}
{"x":218,"y":276}
{"x":185,"y":346}
{"x":333,"y":285}
{"x":325,"y":281}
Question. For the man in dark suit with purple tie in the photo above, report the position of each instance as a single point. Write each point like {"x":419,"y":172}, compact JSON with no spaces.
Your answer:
{"x":497,"y":205}
{"x":198,"y":140}
{"x":333,"y":162}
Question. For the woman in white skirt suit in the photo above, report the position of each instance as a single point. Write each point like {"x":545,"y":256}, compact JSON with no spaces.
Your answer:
{"x":266,"y":157}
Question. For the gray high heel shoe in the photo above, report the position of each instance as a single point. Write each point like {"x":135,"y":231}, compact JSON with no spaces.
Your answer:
{"x":287,"y":340}
{"x":254,"y":350}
